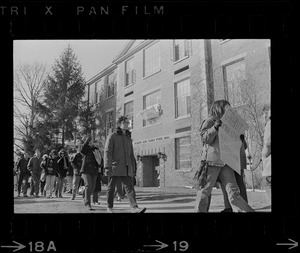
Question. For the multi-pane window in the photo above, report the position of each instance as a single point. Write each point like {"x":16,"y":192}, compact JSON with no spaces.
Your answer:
{"x":129,"y":72}
{"x":234,"y":79}
{"x":182,"y":98}
{"x":111,"y":78}
{"x":181,"y":49}
{"x":128,"y":112}
{"x":183,"y":153}
{"x":96,"y":93}
{"x":152,"y":59}
{"x":148,"y":100}
{"x":109,"y":122}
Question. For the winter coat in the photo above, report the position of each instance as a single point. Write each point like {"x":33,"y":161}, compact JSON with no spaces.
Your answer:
{"x":22,"y":165}
{"x":62,"y":170}
{"x":266,"y":152}
{"x":70,"y":168}
{"x":50,"y":166}
{"x":89,"y":163}
{"x":209,"y":136}
{"x":76,"y":163}
{"x":34,"y":165}
{"x":118,"y":154}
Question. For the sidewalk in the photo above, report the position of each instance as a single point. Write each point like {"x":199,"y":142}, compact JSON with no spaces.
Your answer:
{"x":156,"y":200}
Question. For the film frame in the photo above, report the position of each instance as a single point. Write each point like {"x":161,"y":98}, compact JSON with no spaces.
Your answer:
{"x":180,"y":19}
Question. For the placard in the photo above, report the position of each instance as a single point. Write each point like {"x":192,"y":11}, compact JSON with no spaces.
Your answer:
{"x":229,"y":138}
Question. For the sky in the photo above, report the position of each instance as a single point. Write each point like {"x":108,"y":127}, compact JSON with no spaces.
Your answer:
{"x":93,"y":55}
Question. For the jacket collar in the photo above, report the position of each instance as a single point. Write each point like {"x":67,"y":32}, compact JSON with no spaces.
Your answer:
{"x":120,"y":132}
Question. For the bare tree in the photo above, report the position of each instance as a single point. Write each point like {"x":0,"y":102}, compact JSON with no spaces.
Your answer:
{"x":29,"y":80}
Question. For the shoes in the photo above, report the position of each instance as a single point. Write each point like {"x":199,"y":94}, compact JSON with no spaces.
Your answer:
{"x":25,"y":196}
{"x":227,"y":210}
{"x":36,"y":196}
{"x":88,"y":205}
{"x":138,"y":210}
{"x":50,"y":196}
{"x":96,"y":203}
{"x":18,"y":195}
{"x":109,"y":210}
{"x":73,"y":197}
{"x":60,"y":196}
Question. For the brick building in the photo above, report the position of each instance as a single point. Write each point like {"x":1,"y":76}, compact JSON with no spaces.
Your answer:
{"x":165,"y":87}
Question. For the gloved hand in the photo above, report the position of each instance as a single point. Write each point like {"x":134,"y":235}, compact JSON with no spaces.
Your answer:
{"x":217,"y":124}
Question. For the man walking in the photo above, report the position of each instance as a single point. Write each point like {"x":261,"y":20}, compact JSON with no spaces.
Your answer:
{"x":24,"y":174}
{"x":34,"y":166}
{"x":119,"y":163}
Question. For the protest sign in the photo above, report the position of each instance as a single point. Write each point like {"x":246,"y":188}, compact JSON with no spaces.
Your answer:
{"x":229,"y":138}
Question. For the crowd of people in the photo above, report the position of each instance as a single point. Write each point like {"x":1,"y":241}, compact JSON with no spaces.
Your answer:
{"x":49,"y":175}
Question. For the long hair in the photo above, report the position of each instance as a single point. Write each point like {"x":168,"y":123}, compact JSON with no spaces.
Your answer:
{"x":217,"y":109}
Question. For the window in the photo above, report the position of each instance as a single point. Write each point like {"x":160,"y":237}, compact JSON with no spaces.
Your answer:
{"x":181,"y":49}
{"x":182,"y":98}
{"x":92,"y":94}
{"x":109,"y":123}
{"x":111,"y":79}
{"x":234,"y":82}
{"x":128,"y":112}
{"x":96,"y":93}
{"x":148,"y":100}
{"x":129,"y":72}
{"x":152,"y":60}
{"x":183,"y":153}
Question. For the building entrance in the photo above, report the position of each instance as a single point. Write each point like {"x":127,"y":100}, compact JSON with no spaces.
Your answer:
{"x":150,"y":172}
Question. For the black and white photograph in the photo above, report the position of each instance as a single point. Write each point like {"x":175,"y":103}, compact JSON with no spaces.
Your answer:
{"x":145,"y":126}
{"x":155,"y":126}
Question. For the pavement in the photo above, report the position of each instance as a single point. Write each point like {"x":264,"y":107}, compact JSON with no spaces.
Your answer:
{"x":155,"y":199}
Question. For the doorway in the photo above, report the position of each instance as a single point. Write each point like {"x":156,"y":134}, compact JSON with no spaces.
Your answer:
{"x":150,"y":172}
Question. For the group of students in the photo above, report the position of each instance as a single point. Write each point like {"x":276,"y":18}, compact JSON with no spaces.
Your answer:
{"x":119,"y":165}
{"x":51,"y":174}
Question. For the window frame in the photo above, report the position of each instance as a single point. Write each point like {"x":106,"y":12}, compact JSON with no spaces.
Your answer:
{"x":177,"y":116}
{"x":146,"y":75}
{"x":177,"y":153}
{"x":132,"y":113}
{"x":186,"y":48}
{"x":226,"y":82}
{"x":145,"y":124}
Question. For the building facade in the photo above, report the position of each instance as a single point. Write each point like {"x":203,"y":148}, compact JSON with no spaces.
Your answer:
{"x":165,"y":88}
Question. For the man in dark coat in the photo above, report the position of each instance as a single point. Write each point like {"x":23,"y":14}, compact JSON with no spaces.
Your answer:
{"x":119,"y":163}
{"x":24,"y":174}
{"x":34,"y":167}
{"x":89,"y":170}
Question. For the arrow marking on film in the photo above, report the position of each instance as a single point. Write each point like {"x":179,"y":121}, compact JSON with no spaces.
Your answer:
{"x":18,"y":247}
{"x":293,"y":244}
{"x":161,"y":246}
